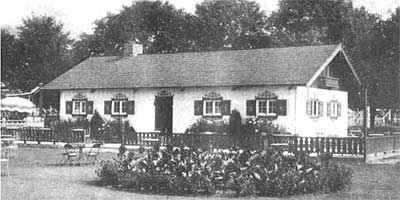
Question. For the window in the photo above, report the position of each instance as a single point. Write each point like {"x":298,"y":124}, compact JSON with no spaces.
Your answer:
{"x":266,"y":107}
{"x":212,"y":107}
{"x":334,"y":109}
{"x":334,"y":106}
{"x":79,"y":107}
{"x":118,"y":107}
{"x":314,"y":108}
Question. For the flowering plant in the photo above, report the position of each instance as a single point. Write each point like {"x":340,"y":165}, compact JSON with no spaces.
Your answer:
{"x":263,"y":126}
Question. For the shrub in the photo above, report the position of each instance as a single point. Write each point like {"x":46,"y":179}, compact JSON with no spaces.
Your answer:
{"x":336,"y":177}
{"x":248,"y":173}
{"x":208,"y":125}
{"x":96,"y":125}
{"x":235,"y":124}
{"x":109,"y":172}
{"x":62,"y":129}
{"x":113,"y":130}
{"x":257,"y":126}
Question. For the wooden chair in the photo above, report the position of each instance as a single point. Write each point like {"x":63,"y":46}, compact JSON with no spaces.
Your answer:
{"x":69,"y":155}
{"x":5,"y":158}
{"x":93,"y":153}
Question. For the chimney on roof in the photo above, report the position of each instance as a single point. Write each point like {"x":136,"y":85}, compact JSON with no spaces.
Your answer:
{"x":132,"y":49}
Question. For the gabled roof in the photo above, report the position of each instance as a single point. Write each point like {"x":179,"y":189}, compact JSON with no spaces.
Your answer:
{"x":272,"y":66}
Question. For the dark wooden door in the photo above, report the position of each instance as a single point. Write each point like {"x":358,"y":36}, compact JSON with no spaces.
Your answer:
{"x":163,"y":113}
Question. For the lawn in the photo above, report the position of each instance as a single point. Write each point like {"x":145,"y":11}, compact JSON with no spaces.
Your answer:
{"x":35,"y":174}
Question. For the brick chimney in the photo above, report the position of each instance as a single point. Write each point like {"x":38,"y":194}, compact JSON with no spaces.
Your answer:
{"x":132,"y":49}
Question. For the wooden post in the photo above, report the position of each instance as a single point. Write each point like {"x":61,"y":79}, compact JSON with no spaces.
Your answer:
{"x":40,"y":99}
{"x":365,"y":122}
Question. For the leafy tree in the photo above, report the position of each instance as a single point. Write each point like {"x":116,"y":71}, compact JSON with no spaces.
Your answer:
{"x":230,"y":24}
{"x":44,"y":50}
{"x":158,"y":26}
{"x":10,"y":62}
{"x":310,"y":22}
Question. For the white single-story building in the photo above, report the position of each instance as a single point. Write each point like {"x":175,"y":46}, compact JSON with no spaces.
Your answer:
{"x":303,"y":89}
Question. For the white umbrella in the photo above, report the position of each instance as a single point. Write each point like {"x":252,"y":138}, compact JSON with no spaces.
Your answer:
{"x":17,"y":104}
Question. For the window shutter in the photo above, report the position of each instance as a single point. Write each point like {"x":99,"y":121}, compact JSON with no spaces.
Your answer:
{"x":131,"y":107}
{"x":251,"y":107}
{"x":281,"y":105}
{"x":198,"y":107}
{"x":308,"y":107}
{"x":107,"y":107}
{"x":68,"y":107}
{"x":226,"y":107}
{"x":89,"y":107}
{"x":328,"y":109}
{"x":339,"y":109}
{"x":320,"y":109}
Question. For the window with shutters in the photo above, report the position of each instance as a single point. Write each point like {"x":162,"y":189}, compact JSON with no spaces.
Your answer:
{"x":212,"y":107}
{"x":79,"y":107}
{"x":119,"y":106}
{"x":266,"y":107}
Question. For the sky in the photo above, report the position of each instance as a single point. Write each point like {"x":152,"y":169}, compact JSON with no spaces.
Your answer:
{"x":78,"y":15}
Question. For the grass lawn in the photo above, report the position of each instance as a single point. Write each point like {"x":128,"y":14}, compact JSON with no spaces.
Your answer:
{"x":35,"y":174}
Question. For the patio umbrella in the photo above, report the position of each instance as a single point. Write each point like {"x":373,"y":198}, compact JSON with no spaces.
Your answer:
{"x":17,"y":104}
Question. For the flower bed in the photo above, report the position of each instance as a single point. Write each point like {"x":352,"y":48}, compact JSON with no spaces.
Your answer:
{"x":248,"y":173}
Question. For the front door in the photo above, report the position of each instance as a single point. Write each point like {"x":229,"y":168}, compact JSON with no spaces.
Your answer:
{"x":163,"y":115}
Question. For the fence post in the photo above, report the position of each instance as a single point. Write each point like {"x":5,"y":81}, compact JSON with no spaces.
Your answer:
{"x":365,"y":122}
{"x":38,"y":135}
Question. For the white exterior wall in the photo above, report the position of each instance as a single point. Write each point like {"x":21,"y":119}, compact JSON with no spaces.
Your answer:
{"x":309,"y":127}
{"x":183,"y":104}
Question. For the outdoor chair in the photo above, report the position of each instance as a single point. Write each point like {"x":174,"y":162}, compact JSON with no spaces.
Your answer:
{"x":69,"y":155}
{"x":5,"y":158}
{"x":93,"y":153}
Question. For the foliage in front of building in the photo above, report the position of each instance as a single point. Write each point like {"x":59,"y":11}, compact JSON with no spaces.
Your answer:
{"x":214,"y":125}
{"x":96,"y":125}
{"x":235,"y":126}
{"x":263,"y":126}
{"x":248,"y":173}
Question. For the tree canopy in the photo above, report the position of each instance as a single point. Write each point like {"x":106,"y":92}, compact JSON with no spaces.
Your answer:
{"x":38,"y":55}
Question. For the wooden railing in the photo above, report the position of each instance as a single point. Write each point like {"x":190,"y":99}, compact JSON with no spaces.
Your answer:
{"x":335,"y":145}
{"x":383,"y":144}
{"x":42,"y":135}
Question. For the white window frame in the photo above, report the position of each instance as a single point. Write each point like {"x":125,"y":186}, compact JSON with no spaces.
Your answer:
{"x":268,"y":111}
{"x":120,"y":111}
{"x":334,"y":108}
{"x":314,"y":108}
{"x":81,"y":107}
{"x":214,"y":112}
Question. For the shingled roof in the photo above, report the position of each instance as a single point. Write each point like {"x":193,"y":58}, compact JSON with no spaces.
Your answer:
{"x":271,"y":66}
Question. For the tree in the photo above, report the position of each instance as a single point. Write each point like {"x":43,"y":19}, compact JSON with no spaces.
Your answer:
{"x":158,"y":26}
{"x":310,"y":22}
{"x":230,"y":24}
{"x":44,"y":50}
{"x":10,"y":62}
